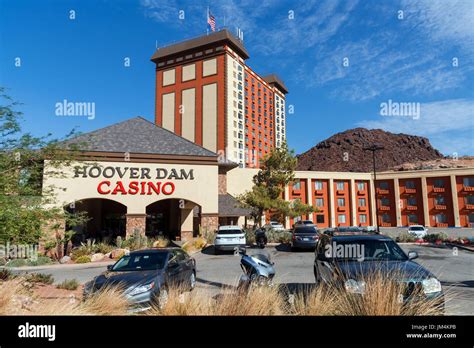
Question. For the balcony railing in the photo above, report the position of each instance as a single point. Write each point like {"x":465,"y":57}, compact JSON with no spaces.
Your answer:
{"x":361,"y":192}
{"x":340,"y":192}
{"x":412,"y":207}
{"x":438,"y":189}
{"x":468,"y":188}
{"x":470,"y":206}
{"x":318,"y":192}
{"x":362,"y":208}
{"x":410,"y":190}
{"x":384,"y":207}
{"x":341,"y":208}
{"x":440,"y":206}
{"x":385,"y":224}
{"x":441,"y":224}
{"x":382,"y":191}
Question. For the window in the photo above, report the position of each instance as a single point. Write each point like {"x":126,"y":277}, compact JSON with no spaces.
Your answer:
{"x":320,"y":219}
{"x":471,"y":218}
{"x":296,"y":185}
{"x":318,"y":185}
{"x":169,"y":77}
{"x":363,"y":218}
{"x":385,"y":202}
{"x":319,"y":202}
{"x":340,"y":185}
{"x":209,"y":67}
{"x":411,"y":201}
{"x":441,"y":218}
{"x":341,"y":218}
{"x":383,"y":185}
{"x":385,"y":218}
{"x":469,"y":199}
{"x":468,"y":182}
{"x":413,"y":218}
{"x":439,"y":200}
{"x":360,"y":186}
{"x":362,"y":202}
{"x":439,"y":183}
{"x":410,"y":184}
{"x":341,"y":202}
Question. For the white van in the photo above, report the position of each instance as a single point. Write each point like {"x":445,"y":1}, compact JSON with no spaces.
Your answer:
{"x":229,"y":238}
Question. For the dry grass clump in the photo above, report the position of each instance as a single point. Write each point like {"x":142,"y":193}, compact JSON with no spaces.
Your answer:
{"x":13,"y":294}
{"x":108,"y":301}
{"x":320,"y":300}
{"x":182,"y":302}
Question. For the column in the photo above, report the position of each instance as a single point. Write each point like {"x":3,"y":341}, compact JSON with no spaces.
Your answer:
{"x":353,"y":203}
{"x":210,"y":222}
{"x":398,"y":202}
{"x":187,"y":221}
{"x":373,"y":203}
{"x":286,"y":196}
{"x":332,"y":210}
{"x":424,"y":194}
{"x":454,"y":193}
{"x":309,"y":195}
{"x":136,"y":224}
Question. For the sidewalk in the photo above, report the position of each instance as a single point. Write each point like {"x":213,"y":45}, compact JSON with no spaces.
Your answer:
{"x":97,"y":264}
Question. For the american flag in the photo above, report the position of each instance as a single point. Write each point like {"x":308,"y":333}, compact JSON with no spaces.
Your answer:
{"x":211,"y":21}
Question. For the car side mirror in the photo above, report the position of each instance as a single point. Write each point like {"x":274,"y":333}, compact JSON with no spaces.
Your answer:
{"x":109,"y":267}
{"x":412,"y":255}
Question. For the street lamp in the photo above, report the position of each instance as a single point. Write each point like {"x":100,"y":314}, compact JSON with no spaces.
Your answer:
{"x":374,"y":148}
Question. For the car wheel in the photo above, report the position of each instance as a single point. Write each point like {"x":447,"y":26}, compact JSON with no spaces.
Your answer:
{"x":162,"y":299}
{"x":192,"y":281}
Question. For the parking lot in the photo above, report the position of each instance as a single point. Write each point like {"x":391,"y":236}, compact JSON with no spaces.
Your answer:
{"x":295,"y":269}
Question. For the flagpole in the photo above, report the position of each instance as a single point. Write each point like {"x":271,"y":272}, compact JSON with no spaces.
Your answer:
{"x":207,"y":21}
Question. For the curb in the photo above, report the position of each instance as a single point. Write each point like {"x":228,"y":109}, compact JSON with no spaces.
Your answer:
{"x":460,"y":247}
{"x":64,"y":265}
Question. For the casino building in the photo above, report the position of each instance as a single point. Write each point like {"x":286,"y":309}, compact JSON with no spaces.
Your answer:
{"x":215,"y":118}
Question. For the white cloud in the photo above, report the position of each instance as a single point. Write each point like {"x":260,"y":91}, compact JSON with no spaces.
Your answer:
{"x":449,"y":124}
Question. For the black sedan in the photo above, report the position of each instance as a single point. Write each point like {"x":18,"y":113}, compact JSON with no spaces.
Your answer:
{"x":304,"y":237}
{"x":346,"y":260}
{"x":146,"y":275}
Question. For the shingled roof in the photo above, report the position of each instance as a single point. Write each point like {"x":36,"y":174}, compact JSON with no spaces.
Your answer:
{"x":229,"y":206}
{"x":140,"y":136}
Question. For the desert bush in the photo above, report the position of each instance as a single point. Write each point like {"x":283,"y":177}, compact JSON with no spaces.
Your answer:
{"x":433,"y":237}
{"x":249,"y":236}
{"x":405,"y":237}
{"x":40,"y":278}
{"x":107,"y":301}
{"x":194,"y":244}
{"x":40,"y":261}
{"x":83,"y":259}
{"x":159,"y":242}
{"x":208,"y":235}
{"x":274,"y":236}
{"x":68,"y":284}
{"x":135,"y":241}
{"x":103,"y":248}
{"x":17,"y":263}
{"x":6,"y":274}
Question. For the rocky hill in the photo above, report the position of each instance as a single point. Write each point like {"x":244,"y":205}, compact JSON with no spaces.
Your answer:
{"x":345,"y":151}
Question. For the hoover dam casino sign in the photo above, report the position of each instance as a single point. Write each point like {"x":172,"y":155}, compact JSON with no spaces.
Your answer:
{"x":115,"y":180}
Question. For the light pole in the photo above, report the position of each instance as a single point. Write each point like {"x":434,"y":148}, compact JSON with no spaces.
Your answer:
{"x":374,"y":148}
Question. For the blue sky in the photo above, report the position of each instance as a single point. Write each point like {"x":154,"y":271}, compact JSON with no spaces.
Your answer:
{"x":424,"y":54}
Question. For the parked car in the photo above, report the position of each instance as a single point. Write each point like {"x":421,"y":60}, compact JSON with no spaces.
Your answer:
{"x":303,"y":222}
{"x":378,"y":254}
{"x":229,"y":238}
{"x":146,"y":275}
{"x":304,"y":237}
{"x":418,"y":231}
{"x":274,"y":225}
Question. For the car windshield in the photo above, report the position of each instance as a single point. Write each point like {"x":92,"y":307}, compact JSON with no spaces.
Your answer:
{"x":306,"y":229}
{"x":418,"y":228}
{"x":141,"y":262}
{"x":367,"y":250}
{"x":230,"y":231}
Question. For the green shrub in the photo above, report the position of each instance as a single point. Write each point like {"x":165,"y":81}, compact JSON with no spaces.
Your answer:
{"x":274,"y":236}
{"x":41,"y":260}
{"x":405,"y":237}
{"x":40,"y":278}
{"x":103,"y":248}
{"x":135,"y":241}
{"x":17,"y":263}
{"x":83,"y":259}
{"x":80,"y":251}
{"x":249,"y":236}
{"x":68,"y":284}
{"x":433,"y":237}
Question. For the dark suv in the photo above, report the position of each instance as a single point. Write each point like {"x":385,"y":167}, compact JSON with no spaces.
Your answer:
{"x":346,"y":259}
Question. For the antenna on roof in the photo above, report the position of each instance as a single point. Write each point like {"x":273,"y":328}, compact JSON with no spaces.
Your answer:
{"x":156,"y":44}
{"x":240,"y":34}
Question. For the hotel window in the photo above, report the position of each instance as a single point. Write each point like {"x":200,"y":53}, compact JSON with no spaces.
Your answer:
{"x":471,"y":218}
{"x":340,"y":185}
{"x":468,"y":182}
{"x":441,"y":218}
{"x":413,"y":218}
{"x":360,"y":186}
{"x":362,"y":202}
{"x":341,"y":218}
{"x":385,"y":202}
{"x":296,"y":185}
{"x":319,"y":202}
{"x":363,"y":218}
{"x":341,"y":202}
{"x":411,"y":201}
{"x":385,"y":217}
{"x":410,"y":184}
{"x":439,"y":200}
{"x":383,"y":185}
{"x":439,"y":183}
{"x":320,"y":219}
{"x":169,"y":77}
{"x":469,"y":199}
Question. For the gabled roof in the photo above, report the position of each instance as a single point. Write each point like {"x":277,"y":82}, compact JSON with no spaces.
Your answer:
{"x":140,"y":136}
{"x":222,"y":36}
{"x":273,"y":79}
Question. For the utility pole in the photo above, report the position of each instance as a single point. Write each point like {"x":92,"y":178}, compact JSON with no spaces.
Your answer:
{"x":374,"y":148}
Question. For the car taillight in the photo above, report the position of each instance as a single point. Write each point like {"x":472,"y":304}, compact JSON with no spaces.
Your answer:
{"x":294,"y":237}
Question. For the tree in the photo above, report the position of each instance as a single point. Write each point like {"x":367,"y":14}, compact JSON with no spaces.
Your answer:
{"x":23,"y":199}
{"x":276,"y":171}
